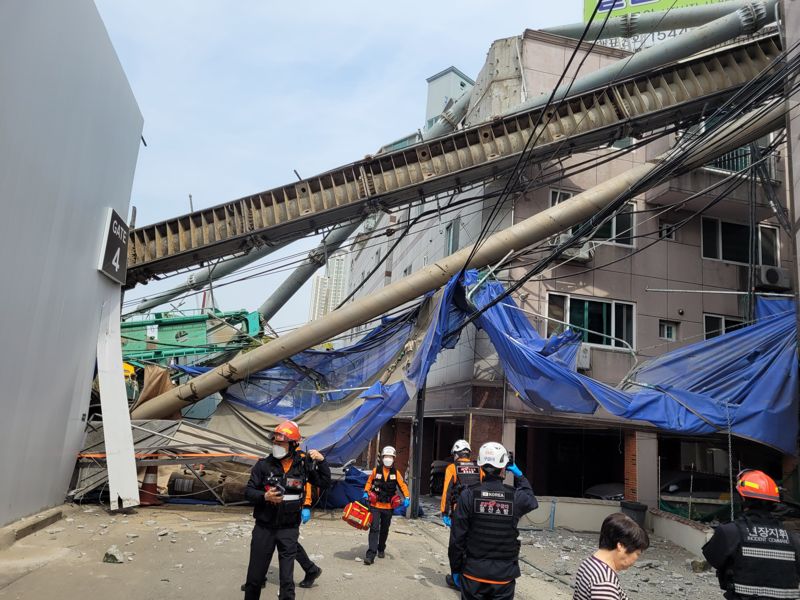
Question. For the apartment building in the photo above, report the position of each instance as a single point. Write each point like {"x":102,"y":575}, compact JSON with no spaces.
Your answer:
{"x":650,"y":280}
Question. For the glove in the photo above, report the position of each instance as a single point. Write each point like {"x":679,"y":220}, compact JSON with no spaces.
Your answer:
{"x":512,"y":468}
{"x":365,"y":497}
{"x":305,"y":515}
{"x":457,"y":580}
{"x":446,"y":520}
{"x":406,"y":502}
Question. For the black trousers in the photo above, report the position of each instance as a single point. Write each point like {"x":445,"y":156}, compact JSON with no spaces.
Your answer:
{"x":475,"y":590}
{"x":302,"y":559}
{"x":262,"y":547}
{"x":379,"y":530}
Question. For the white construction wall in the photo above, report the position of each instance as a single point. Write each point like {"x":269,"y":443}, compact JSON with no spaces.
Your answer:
{"x":69,"y":138}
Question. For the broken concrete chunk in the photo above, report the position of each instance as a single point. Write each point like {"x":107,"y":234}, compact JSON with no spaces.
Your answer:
{"x":163,"y":532}
{"x":114,"y":556}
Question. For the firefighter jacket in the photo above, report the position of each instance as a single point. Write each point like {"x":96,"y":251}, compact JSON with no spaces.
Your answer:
{"x":384,"y":483}
{"x":459,"y":475}
{"x":295,"y":474}
{"x":483,"y":537}
{"x":755,"y":556}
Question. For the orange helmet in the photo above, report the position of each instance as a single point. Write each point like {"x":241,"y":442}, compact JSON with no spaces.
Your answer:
{"x":289,"y":430}
{"x":757,"y":485}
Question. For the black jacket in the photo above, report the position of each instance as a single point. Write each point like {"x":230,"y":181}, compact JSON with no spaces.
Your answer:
{"x":495,"y":568}
{"x":287,"y":513}
{"x":722,"y":550}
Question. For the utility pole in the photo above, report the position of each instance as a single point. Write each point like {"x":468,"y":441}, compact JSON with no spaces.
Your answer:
{"x":416,"y":451}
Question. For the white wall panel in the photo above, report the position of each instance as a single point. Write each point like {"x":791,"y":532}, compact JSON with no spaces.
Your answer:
{"x":69,"y":138}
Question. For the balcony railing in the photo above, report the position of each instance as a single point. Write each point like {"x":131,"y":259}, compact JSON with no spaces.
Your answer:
{"x":739,"y":159}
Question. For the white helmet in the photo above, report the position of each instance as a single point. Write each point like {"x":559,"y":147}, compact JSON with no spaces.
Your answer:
{"x":494,"y":454}
{"x":460,"y":446}
{"x":389,"y":451}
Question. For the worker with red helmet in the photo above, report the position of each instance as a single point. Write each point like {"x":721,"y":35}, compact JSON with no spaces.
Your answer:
{"x":381,"y":493}
{"x":280,"y":487}
{"x":754,"y":555}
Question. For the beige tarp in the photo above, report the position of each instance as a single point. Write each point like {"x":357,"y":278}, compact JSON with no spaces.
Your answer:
{"x":156,"y":382}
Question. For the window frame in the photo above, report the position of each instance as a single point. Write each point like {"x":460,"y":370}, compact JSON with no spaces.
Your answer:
{"x":555,"y":199}
{"x":760,"y":226}
{"x":612,"y":324}
{"x":668,"y":323}
{"x":724,"y":330}
{"x":666,"y":231}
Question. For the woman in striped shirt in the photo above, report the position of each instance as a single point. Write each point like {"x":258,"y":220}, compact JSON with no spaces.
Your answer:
{"x":622,"y":541}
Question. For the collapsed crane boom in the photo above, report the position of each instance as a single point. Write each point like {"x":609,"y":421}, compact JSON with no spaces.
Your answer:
{"x":681,"y":92}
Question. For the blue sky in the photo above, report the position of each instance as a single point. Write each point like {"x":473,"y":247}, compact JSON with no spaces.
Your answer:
{"x":235,"y":95}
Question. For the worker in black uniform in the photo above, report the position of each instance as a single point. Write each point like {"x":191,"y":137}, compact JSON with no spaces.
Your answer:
{"x":463,"y":473}
{"x":311,"y":570}
{"x":278,"y":487}
{"x":484,"y":550}
{"x":754,"y":555}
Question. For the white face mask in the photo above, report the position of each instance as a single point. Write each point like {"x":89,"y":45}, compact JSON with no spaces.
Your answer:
{"x":279,"y":451}
{"x":388,"y":461}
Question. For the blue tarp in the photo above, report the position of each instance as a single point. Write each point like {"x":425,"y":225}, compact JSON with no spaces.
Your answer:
{"x":747,"y":379}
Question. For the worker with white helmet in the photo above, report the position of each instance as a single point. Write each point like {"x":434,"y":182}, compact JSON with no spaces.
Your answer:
{"x":462,"y":473}
{"x":381,"y":493}
{"x":484,"y":550}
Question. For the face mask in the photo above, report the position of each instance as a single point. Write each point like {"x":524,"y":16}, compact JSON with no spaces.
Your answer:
{"x":279,"y":451}
{"x":388,"y":461}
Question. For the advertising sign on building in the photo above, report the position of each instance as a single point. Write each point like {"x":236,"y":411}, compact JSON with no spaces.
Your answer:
{"x":626,"y":7}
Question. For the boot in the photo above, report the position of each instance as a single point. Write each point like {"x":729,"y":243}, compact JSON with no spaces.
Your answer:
{"x":310,"y":577}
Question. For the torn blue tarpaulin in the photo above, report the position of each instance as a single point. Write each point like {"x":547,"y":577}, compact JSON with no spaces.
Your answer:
{"x":347,"y":437}
{"x":746,"y":380}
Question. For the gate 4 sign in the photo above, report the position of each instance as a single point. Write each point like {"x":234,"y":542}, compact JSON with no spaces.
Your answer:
{"x":114,"y":253}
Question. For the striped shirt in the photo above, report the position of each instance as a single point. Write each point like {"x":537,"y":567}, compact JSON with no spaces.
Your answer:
{"x":595,"y":580}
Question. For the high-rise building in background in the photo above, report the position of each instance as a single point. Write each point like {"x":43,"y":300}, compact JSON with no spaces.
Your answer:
{"x":327,"y":291}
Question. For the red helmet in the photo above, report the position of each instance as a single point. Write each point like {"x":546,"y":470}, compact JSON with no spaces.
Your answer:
{"x":757,"y":485}
{"x":289,"y":430}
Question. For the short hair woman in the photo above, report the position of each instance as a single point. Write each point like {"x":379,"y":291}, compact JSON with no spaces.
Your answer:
{"x":622,"y":541}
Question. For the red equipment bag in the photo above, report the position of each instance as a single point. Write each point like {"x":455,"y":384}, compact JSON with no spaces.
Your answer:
{"x":357,"y":515}
{"x":396,"y":501}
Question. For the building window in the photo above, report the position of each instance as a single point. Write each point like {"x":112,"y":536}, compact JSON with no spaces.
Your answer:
{"x":601,"y":322}
{"x":425,"y":261}
{"x":731,"y":242}
{"x":668,"y":330}
{"x":451,"y":237}
{"x":666,"y":231}
{"x":407,"y":271}
{"x":618,"y":229}
{"x":714,"y":325}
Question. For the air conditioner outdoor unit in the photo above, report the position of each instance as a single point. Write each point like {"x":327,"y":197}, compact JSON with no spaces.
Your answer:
{"x":773,"y":279}
{"x":581,"y":253}
{"x":584,"y":358}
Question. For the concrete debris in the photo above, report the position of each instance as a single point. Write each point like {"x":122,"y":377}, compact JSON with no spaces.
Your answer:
{"x":358,"y":559}
{"x":163,"y":532}
{"x":419,"y":577}
{"x":132,"y":535}
{"x":114,"y":556}
{"x":699,"y":566}
{"x":54,"y":530}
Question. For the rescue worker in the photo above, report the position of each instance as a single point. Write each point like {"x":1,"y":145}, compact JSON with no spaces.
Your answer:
{"x":310,"y":568}
{"x":484,"y":550}
{"x":278,"y":487}
{"x":463,"y":473}
{"x":381,"y":493}
{"x":754,"y":555}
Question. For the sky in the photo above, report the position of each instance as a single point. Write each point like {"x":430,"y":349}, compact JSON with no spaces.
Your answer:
{"x":237,"y":95}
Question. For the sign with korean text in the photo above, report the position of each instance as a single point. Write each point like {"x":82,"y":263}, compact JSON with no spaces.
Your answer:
{"x":626,"y":7}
